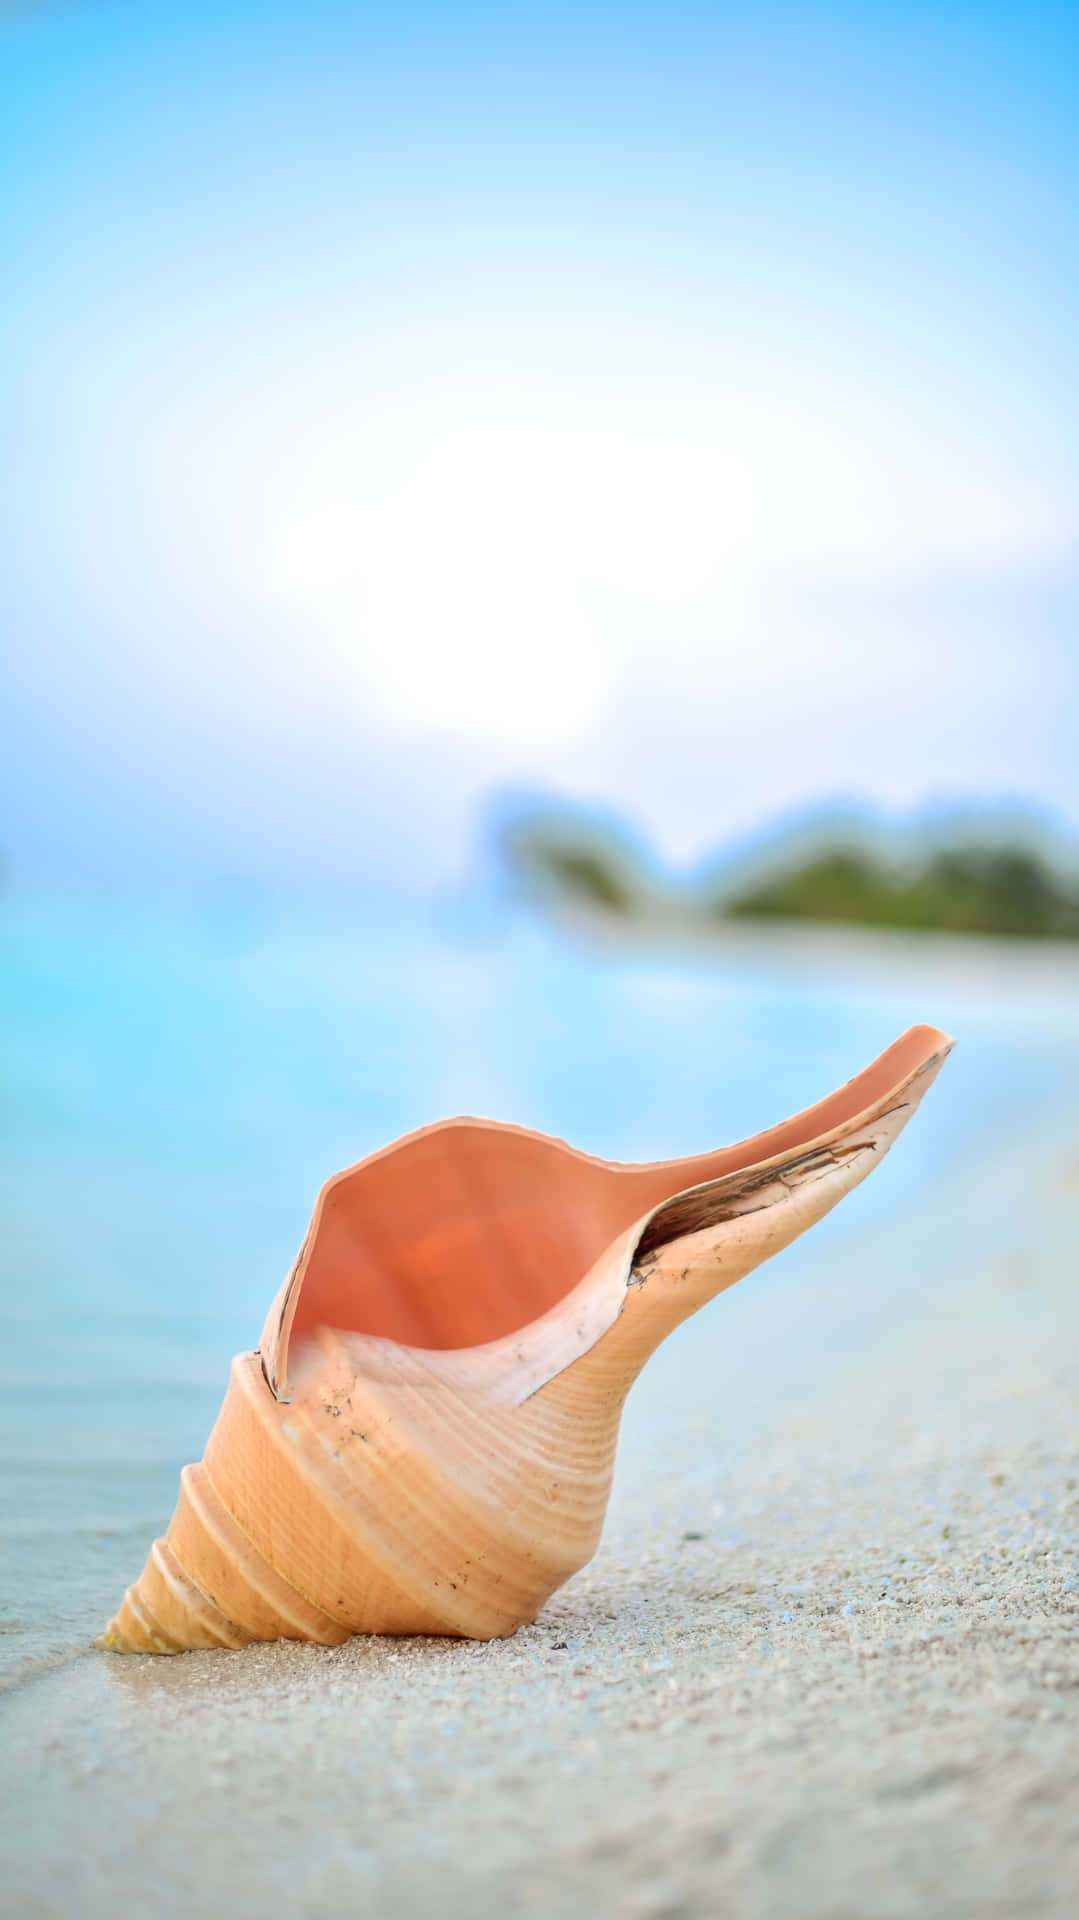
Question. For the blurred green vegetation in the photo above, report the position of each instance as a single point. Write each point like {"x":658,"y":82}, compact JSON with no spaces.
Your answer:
{"x":569,"y":864}
{"x":1003,"y":890}
{"x":561,"y":860}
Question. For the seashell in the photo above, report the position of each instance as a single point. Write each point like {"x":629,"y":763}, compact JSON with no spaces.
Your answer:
{"x":424,"y":1440}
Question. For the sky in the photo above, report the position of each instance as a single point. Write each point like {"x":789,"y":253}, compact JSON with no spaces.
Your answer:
{"x":667,"y":408}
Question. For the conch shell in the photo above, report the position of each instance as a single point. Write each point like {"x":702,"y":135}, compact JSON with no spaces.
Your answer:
{"x":424,"y":1440}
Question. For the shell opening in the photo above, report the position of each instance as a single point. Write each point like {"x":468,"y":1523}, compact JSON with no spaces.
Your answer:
{"x":469,"y":1231}
{"x":466,"y":1237}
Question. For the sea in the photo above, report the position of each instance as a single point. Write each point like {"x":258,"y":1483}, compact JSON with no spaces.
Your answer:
{"x":177,"y":1085}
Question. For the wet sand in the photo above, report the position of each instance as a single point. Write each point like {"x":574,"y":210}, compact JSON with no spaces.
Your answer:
{"x":826,"y":1662}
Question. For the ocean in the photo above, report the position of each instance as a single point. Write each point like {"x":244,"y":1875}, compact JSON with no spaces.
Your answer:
{"x":177,"y":1088}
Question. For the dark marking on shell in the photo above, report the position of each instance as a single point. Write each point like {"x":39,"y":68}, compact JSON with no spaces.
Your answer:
{"x":732,"y":1196}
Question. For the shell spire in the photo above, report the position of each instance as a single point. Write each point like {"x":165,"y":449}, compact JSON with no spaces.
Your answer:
{"x":424,"y":1440}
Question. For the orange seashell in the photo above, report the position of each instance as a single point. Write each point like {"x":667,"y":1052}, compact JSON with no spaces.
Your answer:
{"x":425,"y":1438}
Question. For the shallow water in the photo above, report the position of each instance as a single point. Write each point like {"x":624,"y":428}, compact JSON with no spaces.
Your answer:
{"x":176,"y":1091}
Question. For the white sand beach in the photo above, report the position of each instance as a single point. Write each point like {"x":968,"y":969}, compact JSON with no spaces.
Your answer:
{"x":826,"y":1662}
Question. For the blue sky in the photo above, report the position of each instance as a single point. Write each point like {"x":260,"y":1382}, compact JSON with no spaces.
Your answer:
{"x":667,"y":407}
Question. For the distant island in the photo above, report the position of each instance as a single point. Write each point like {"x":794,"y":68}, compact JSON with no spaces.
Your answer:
{"x":581,"y":867}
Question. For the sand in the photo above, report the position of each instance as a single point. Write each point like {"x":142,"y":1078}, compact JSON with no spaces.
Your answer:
{"x":826,"y":1662}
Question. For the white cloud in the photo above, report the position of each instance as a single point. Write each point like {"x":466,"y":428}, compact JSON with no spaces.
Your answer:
{"x":517,"y":576}
{"x":466,"y":597}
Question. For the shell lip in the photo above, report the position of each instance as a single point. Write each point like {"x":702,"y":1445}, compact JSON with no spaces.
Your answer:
{"x":915,"y":1056}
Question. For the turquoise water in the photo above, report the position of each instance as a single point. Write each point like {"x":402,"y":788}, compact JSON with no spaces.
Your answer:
{"x":175,"y":1092}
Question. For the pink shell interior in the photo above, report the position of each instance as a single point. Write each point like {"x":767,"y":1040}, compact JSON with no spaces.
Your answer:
{"x":469,"y":1230}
